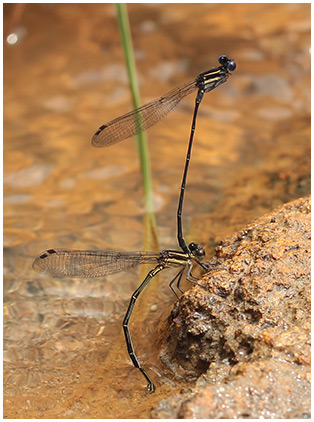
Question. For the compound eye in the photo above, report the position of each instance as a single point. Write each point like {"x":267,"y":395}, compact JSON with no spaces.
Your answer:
{"x":231,"y":65}
{"x":223,"y":60}
{"x":200,"y":252}
{"x":193,"y":246}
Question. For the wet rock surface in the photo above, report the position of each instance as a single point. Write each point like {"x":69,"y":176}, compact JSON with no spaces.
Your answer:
{"x":245,"y":334}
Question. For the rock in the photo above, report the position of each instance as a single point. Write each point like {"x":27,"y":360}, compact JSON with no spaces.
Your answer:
{"x":245,"y":332}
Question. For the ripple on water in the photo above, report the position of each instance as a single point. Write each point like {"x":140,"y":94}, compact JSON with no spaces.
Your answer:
{"x":29,"y":176}
{"x":105,"y":172}
{"x":16,"y":199}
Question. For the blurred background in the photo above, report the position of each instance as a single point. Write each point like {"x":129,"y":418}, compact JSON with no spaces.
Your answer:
{"x":64,"y":76}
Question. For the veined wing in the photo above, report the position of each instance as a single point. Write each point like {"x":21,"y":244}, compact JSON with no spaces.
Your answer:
{"x":142,"y":118}
{"x":84,"y":263}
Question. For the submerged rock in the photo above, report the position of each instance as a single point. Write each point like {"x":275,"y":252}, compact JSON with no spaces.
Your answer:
{"x":245,"y":334}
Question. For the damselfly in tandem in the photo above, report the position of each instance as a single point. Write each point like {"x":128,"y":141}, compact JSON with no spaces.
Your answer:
{"x":83,"y":263}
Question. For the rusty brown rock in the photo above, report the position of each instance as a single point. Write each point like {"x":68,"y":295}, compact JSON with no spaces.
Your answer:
{"x":247,"y":330}
{"x":267,"y":388}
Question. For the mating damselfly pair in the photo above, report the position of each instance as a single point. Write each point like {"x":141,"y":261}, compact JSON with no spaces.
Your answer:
{"x":85,"y":263}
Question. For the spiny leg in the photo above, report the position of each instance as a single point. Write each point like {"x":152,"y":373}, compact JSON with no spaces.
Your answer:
{"x":178,"y":276}
{"x":190,"y":276}
{"x":206,"y":266}
{"x":150,"y":387}
{"x":179,"y":281}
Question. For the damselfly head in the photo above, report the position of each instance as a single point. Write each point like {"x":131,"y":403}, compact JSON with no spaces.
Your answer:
{"x":227,"y":63}
{"x":196,"y":250}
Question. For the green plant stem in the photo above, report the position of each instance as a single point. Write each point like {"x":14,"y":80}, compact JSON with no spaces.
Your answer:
{"x":141,"y":138}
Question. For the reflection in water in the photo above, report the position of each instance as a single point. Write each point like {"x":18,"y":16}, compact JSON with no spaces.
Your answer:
{"x":28,"y":177}
{"x":63,"y":342}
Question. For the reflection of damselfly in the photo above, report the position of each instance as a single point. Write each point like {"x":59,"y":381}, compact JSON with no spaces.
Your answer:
{"x":146,"y":116}
{"x":74,"y":263}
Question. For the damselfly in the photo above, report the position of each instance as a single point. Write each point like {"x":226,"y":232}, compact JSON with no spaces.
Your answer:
{"x":83,"y":263}
{"x":146,"y":116}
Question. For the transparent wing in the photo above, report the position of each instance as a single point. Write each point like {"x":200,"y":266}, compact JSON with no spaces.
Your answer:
{"x":83,"y":263}
{"x":136,"y":121}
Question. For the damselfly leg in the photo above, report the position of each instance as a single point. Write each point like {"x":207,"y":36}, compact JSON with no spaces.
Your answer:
{"x":178,"y":279}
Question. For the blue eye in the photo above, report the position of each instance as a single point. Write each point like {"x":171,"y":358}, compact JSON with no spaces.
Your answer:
{"x":223,"y":60}
{"x":227,"y":63}
{"x":231,"y":65}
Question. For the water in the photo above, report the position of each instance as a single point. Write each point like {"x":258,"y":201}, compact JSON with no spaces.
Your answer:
{"x":63,"y":342}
